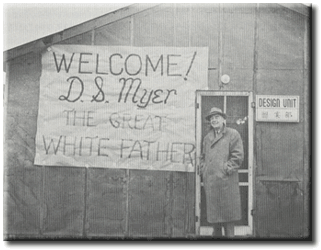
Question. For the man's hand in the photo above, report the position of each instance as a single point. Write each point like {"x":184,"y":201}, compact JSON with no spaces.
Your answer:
{"x":228,"y":170}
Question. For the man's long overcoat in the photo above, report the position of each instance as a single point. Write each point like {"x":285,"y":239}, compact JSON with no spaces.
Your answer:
{"x":222,"y":156}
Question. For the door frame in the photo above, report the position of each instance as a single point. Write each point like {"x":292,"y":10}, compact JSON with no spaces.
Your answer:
{"x":239,"y":230}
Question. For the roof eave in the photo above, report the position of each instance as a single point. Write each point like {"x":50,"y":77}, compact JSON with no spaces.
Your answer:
{"x":298,"y":7}
{"x":44,"y":42}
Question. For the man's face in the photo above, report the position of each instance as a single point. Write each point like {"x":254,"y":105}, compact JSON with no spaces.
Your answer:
{"x":217,"y":121}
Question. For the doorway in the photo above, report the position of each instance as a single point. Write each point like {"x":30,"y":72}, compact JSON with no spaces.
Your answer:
{"x":237,"y":106}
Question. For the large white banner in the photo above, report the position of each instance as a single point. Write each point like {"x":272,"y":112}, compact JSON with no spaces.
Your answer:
{"x":119,"y":107}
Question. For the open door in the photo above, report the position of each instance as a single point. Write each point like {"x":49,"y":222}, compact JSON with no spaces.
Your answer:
{"x":237,"y":106}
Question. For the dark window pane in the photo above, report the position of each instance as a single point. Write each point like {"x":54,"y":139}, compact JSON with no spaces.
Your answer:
{"x":244,"y":205}
{"x":237,"y":118}
{"x":243,"y":177}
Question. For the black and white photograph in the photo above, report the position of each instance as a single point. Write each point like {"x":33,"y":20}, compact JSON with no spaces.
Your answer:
{"x":157,"y":122}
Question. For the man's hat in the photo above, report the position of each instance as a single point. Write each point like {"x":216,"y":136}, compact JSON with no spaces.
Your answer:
{"x":215,"y":111}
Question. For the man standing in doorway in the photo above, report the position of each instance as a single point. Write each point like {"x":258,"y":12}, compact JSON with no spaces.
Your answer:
{"x":222,"y":156}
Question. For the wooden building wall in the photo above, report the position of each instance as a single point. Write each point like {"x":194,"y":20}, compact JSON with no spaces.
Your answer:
{"x":281,"y":156}
{"x":263,"y":48}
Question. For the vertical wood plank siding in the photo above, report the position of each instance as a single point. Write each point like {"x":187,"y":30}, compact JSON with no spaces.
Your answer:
{"x":262,"y":47}
{"x":106,"y":202}
{"x":306,"y":186}
{"x":279,"y":203}
{"x":238,"y":45}
{"x":22,"y":180}
{"x":148,"y":203}
{"x":63,"y":201}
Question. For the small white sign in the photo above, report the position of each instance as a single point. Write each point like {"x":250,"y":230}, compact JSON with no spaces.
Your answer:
{"x":277,"y":108}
